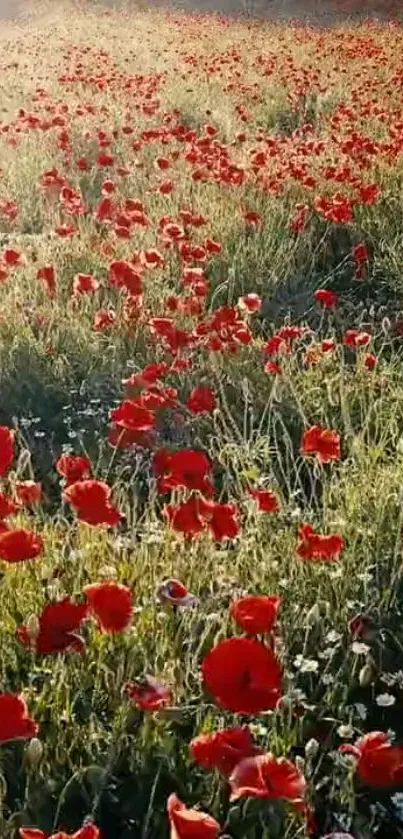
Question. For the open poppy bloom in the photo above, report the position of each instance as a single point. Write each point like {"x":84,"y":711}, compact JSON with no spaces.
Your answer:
{"x":186,"y":517}
{"x":112,"y":603}
{"x":123,"y":275}
{"x":28,"y":492}
{"x":88,"y":831}
{"x":149,"y":694}
{"x":19,"y":545}
{"x":267,"y":501}
{"x":379,"y":764}
{"x":147,"y":377}
{"x":267,"y":776}
{"x":256,"y":613}
{"x":201,"y":400}
{"x":323,"y":442}
{"x":73,"y":467}
{"x":104,"y":319}
{"x":6,"y":449}
{"x":370,"y":361}
{"x":132,"y":416}
{"x":197,"y":514}
{"x":57,"y":629}
{"x":15,"y":723}
{"x":91,"y":500}
{"x":223,"y":750}
{"x":243,"y":676}
{"x":356,"y":338}
{"x":326,"y":298}
{"x":84,"y":284}
{"x":187,"y":823}
{"x":220,"y":519}
{"x":250,"y":302}
{"x":186,"y":468}
{"x":48,"y":275}
{"x":11,"y":257}
{"x":317,"y":547}
{"x":174,"y":592}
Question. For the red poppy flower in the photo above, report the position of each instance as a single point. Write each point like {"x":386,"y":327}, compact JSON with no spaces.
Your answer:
{"x":251,"y":302}
{"x":28,"y":492}
{"x":360,"y":252}
{"x":212,"y":246}
{"x":256,"y":614}
{"x":105,"y":159}
{"x":123,"y":438}
{"x":266,"y":500}
{"x":89,"y":831}
{"x":132,"y":416}
{"x":123,"y":275}
{"x":65,"y":230}
{"x":6,"y":449}
{"x":104,"y":319}
{"x":201,"y":400}
{"x":273,"y":367}
{"x":315,"y":546}
{"x":175,"y":339}
{"x":252,"y":217}
{"x":47,"y":274}
{"x":85,"y":284}
{"x":186,"y":517}
{"x":15,"y":724}
{"x":190,"y":824}
{"x":147,"y":377}
{"x":379,"y":764}
{"x":355,"y":338}
{"x":326,"y":298}
{"x":19,"y":545}
{"x":91,"y":500}
{"x":165,"y":186}
{"x":223,"y":750}
{"x":328,"y":345}
{"x":266,"y":776}
{"x":57,"y":628}
{"x":112,"y":604}
{"x":362,"y":627}
{"x":7,"y":506}
{"x":73,"y":467}
{"x":174,"y":592}
{"x":152,"y":258}
{"x":12,"y":257}
{"x":186,"y":468}
{"x":149,"y":694}
{"x":370,"y":361}
{"x":220,"y":518}
{"x":369,"y":193}
{"x":243,"y":676}
{"x":324,"y":442}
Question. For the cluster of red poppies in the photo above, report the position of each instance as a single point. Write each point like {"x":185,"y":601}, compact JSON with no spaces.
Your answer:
{"x":327,"y":170}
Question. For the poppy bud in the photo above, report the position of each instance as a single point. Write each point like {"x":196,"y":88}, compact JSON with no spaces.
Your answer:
{"x":34,"y":751}
{"x":313,"y":616}
{"x":311,"y":749}
{"x":365,"y":676}
{"x":300,"y":763}
{"x":33,"y":628}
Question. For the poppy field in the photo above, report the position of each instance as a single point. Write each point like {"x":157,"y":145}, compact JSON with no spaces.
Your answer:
{"x":201,"y":427}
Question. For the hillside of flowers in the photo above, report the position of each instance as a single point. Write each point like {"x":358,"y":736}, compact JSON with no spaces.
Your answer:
{"x":201,"y":427}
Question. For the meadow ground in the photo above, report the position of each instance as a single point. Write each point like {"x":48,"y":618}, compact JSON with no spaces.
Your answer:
{"x":201,"y":400}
